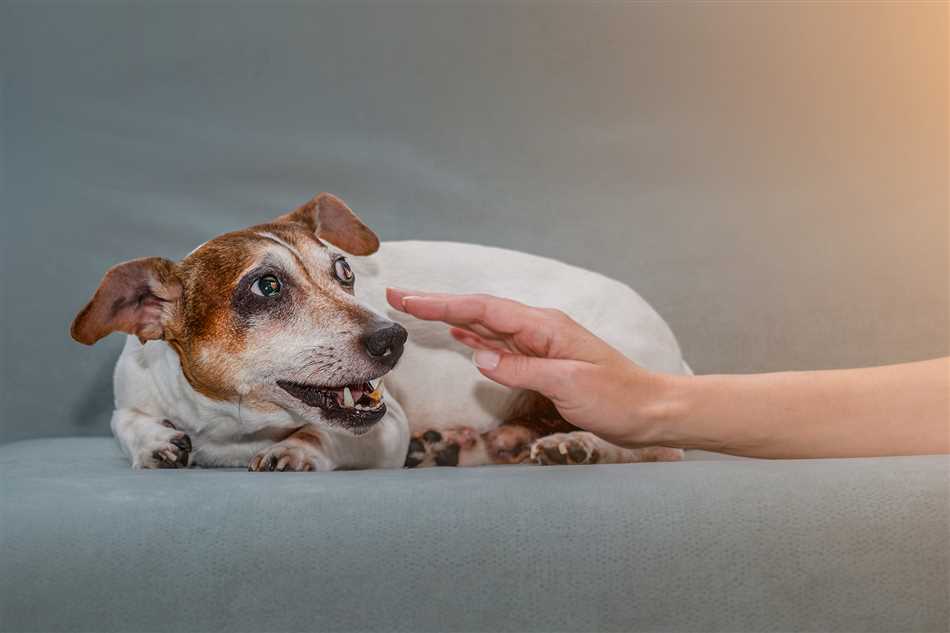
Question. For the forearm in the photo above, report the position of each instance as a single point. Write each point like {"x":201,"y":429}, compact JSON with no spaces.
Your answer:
{"x":892,"y":410}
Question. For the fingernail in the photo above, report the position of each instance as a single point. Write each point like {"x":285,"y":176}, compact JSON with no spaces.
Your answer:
{"x":405,"y":299}
{"x":485,"y":359}
{"x":398,"y":291}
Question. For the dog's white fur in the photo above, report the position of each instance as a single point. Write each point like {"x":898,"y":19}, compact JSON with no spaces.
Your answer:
{"x":434,"y":386}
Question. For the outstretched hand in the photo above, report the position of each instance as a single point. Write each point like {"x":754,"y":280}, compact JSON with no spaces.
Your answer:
{"x":593,"y":385}
{"x":888,"y":410}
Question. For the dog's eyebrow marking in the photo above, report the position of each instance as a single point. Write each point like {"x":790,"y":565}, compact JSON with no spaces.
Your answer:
{"x":274,"y":238}
{"x":301,"y":262}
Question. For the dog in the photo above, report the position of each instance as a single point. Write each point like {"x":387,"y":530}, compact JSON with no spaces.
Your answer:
{"x":267,"y":349}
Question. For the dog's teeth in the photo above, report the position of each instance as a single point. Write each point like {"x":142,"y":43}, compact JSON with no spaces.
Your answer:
{"x":347,"y":398}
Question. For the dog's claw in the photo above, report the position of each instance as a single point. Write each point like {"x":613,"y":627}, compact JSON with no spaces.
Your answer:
{"x":283,"y":458}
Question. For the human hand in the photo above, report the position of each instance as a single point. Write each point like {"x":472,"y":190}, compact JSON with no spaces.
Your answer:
{"x":593,"y":385}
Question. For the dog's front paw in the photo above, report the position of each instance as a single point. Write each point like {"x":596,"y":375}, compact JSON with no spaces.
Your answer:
{"x":565,"y":448}
{"x":286,"y":456}
{"x":168,"y":449}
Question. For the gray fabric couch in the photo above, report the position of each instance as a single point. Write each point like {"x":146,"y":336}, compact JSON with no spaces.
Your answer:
{"x":837,"y":545}
{"x":776,"y":189}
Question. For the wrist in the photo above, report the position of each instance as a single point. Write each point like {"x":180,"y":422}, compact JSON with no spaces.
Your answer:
{"x":660,"y":414}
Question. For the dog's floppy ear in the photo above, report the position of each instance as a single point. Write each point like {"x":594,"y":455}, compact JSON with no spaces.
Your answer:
{"x":334,"y":222}
{"x":135,"y":297}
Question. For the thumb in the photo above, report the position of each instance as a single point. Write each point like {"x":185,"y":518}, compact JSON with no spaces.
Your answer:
{"x":548,"y":376}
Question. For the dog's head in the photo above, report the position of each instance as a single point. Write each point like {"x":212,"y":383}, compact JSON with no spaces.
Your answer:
{"x":265,"y":316}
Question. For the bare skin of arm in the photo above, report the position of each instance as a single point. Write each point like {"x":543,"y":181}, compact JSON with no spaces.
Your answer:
{"x":891,"y":410}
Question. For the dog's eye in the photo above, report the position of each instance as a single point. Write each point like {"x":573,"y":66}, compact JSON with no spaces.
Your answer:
{"x":266,"y":286}
{"x":343,"y":272}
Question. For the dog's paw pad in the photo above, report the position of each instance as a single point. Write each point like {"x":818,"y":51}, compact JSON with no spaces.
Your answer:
{"x":173,"y":453}
{"x":564,"y":448}
{"x":440,"y":448}
{"x":509,"y":444}
{"x":432,"y":437}
{"x":182,"y":442}
{"x":416,"y":454}
{"x":448,"y":455}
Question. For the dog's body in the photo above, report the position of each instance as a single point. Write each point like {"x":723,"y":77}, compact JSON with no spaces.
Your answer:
{"x":182,"y":403}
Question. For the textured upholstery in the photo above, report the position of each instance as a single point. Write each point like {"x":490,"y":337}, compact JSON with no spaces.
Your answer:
{"x":836,"y":545}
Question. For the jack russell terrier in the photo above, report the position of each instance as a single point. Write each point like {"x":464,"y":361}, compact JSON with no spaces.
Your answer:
{"x":255,"y":351}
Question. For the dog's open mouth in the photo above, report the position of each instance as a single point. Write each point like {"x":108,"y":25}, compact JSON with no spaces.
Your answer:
{"x":356,"y":405}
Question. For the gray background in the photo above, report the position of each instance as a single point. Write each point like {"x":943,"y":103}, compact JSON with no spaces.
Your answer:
{"x":773,"y":178}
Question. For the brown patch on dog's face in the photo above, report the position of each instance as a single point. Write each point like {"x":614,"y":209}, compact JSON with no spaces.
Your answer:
{"x":267,"y":316}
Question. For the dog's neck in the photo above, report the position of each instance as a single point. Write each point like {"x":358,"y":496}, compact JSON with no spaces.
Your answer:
{"x":188,"y":407}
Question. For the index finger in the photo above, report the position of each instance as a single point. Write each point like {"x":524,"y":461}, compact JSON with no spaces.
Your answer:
{"x":542,"y":332}
{"x":503,"y":316}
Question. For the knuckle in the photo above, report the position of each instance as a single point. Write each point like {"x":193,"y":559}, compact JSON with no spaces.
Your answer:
{"x":540,"y":340}
{"x":558,"y":316}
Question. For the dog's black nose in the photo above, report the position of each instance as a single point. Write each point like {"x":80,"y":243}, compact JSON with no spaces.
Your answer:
{"x":386,"y":343}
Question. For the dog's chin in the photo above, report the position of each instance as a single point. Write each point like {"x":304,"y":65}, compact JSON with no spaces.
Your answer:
{"x":355,"y":408}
